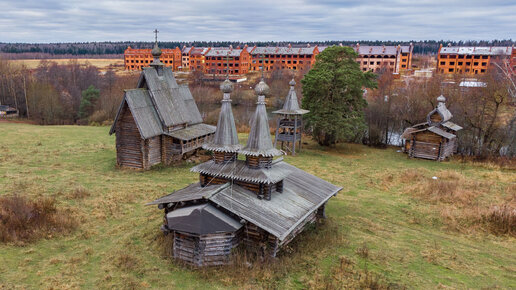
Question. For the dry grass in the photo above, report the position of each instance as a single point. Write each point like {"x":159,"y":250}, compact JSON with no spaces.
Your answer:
{"x":99,"y":62}
{"x":23,"y":220}
{"x":249,"y":271}
{"x":465,"y":204}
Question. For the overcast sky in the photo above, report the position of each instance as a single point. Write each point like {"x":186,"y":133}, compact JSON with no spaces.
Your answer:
{"x":289,"y":20}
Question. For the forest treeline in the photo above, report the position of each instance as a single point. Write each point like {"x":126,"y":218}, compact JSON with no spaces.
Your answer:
{"x":117,"y":48}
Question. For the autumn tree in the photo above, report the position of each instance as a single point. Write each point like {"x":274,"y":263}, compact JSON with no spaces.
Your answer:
{"x":333,"y":92}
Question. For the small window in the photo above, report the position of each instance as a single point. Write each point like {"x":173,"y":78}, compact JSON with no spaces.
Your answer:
{"x":442,"y":62}
{"x":450,"y":70}
{"x":452,"y":63}
{"x":484,"y":63}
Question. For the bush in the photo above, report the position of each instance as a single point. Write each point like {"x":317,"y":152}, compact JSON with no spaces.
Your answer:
{"x":25,"y":220}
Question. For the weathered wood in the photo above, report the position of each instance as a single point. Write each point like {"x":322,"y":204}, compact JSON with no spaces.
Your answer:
{"x":128,"y":141}
{"x":205,"y":250}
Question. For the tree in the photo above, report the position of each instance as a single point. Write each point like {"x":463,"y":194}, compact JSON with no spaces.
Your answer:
{"x":88,"y":101}
{"x":333,"y":92}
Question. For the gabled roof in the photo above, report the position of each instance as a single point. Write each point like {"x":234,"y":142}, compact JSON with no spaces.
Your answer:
{"x":201,"y":220}
{"x":159,"y":103}
{"x":223,"y":51}
{"x":144,"y":114}
{"x":452,"y":126}
{"x":166,"y":95}
{"x":441,"y":132}
{"x":380,"y":50}
{"x":283,"y":50}
{"x":478,"y":50}
{"x":193,"y":191}
{"x":303,"y":193}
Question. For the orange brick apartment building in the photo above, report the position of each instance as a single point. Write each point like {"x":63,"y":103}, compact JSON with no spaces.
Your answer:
{"x":292,"y":58}
{"x":136,"y":59}
{"x":393,"y":58}
{"x":218,"y":58}
{"x":472,"y":60}
{"x":212,"y":60}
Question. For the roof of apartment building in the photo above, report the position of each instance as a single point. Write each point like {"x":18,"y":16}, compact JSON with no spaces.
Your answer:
{"x":224,"y":51}
{"x":477,"y":50}
{"x":380,"y":50}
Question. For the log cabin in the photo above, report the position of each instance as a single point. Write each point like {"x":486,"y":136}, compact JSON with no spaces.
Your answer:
{"x":435,"y":139}
{"x":259,"y":203}
{"x":158,"y":122}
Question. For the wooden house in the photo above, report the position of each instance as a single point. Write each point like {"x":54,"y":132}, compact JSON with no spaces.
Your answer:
{"x":8,"y":112}
{"x":158,"y":122}
{"x":435,"y":139}
{"x":259,"y":203}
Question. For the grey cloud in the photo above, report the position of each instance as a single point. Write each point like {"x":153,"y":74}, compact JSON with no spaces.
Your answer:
{"x":95,"y":20}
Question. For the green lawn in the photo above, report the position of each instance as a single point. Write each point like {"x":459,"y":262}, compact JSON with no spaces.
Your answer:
{"x":377,"y":224}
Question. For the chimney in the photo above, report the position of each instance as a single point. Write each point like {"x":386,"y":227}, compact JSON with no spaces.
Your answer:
{"x":449,"y":44}
{"x":308,"y":45}
{"x":289,"y":45}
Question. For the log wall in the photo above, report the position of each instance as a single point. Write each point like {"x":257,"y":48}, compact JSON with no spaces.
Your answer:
{"x":205,"y":250}
{"x":129,"y":144}
{"x":152,"y":151}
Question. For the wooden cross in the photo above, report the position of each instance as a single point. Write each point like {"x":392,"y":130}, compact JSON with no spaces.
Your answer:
{"x":156,"y":35}
{"x":227,"y":65}
{"x":263,"y":63}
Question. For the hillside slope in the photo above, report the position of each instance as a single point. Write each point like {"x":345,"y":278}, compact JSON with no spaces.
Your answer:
{"x":391,"y":225}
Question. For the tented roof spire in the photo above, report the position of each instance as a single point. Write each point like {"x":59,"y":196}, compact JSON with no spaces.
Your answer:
{"x":226,"y":137}
{"x":259,"y":141}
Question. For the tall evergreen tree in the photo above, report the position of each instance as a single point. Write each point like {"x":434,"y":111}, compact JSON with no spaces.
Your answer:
{"x":333,"y":92}
{"x":88,"y":101}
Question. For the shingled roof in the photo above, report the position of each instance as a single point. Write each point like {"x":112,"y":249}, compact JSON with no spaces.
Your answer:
{"x":303,"y":193}
{"x":291,"y":105}
{"x":159,"y":103}
{"x":259,"y":141}
{"x":226,"y":137}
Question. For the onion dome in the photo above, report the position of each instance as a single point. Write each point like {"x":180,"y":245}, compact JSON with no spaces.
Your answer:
{"x":292,"y":83}
{"x":441,"y":99}
{"x":262,"y":89}
{"x":156,"y":51}
{"x":226,"y":86}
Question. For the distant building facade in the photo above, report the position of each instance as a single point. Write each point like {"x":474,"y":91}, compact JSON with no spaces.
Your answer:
{"x":292,"y":58}
{"x":472,"y":60}
{"x":197,"y":58}
{"x":137,"y":59}
{"x":212,"y":60}
{"x":392,"y":58}
{"x":219,"y":58}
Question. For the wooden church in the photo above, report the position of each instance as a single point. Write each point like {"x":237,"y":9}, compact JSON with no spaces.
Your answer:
{"x":158,"y":122}
{"x":435,"y":139}
{"x":260,"y":203}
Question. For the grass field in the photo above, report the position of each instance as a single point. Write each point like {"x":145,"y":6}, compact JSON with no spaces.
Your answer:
{"x":101,"y":63}
{"x":391,"y":226}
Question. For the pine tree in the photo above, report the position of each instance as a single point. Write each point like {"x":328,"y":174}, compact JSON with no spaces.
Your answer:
{"x":88,"y":101}
{"x":333,"y":92}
